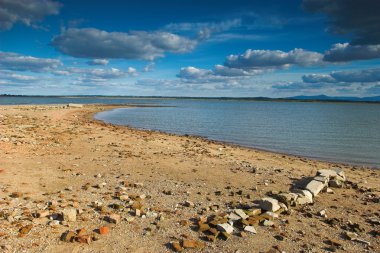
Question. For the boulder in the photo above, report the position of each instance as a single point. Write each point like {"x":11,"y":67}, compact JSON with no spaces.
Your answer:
{"x":269,"y":204}
{"x":304,"y":197}
{"x":315,"y":187}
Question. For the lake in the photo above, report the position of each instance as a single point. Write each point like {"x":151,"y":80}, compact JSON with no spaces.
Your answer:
{"x":337,"y":132}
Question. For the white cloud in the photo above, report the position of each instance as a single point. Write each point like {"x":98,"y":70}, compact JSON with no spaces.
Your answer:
{"x":345,"y":77}
{"x":149,"y":67}
{"x":14,"y":61}
{"x":27,"y":12}
{"x":94,"y":43}
{"x":98,"y":62}
{"x":204,"y":29}
{"x":344,"y":52}
{"x":318,"y":78}
{"x":273,"y":59}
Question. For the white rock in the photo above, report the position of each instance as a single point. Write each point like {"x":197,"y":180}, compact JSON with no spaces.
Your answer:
{"x":268,"y":223}
{"x":269,"y":204}
{"x":75,"y":105}
{"x":250,"y":229}
{"x":225,"y":227}
{"x":241,"y":213}
{"x":315,"y":187}
{"x":234,"y":217}
{"x":304,"y":197}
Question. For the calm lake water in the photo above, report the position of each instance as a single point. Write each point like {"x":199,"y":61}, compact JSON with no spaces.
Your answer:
{"x":339,"y":132}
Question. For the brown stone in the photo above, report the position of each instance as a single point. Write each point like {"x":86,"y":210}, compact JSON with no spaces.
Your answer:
{"x":177,"y":247}
{"x":68,"y":236}
{"x":84,"y":239}
{"x":82,"y":232}
{"x":104,"y":230}
{"x":25,"y":230}
{"x":203,"y":227}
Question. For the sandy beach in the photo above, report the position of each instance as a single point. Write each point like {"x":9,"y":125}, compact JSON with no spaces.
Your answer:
{"x":54,"y":158}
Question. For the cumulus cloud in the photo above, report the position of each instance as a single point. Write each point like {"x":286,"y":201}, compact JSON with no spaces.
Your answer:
{"x":344,"y":52}
{"x":194,"y":73}
{"x":354,"y":76}
{"x":318,"y":78}
{"x":360,"y":19}
{"x":99,"y":73}
{"x":9,"y":77}
{"x":98,"y":62}
{"x":94,"y":43}
{"x":14,"y":61}
{"x":27,"y":12}
{"x":219,"y":73}
{"x":273,"y":59}
{"x":204,"y":29}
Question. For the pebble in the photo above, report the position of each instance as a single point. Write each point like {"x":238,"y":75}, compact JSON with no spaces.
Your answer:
{"x":69,"y":214}
{"x":189,"y":203}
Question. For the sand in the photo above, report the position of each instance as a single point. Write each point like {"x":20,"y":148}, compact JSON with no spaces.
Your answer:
{"x":48,"y":153}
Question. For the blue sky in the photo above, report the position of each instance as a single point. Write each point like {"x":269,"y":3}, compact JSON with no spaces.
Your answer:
{"x":190,"y":48}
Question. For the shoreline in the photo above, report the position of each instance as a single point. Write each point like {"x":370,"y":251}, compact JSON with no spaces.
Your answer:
{"x":54,"y":154}
{"x":236,"y":145}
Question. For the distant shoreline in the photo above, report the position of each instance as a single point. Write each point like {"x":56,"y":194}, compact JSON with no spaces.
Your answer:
{"x":321,"y":99}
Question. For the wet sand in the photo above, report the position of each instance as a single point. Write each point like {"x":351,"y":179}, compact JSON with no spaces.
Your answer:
{"x":48,"y":154}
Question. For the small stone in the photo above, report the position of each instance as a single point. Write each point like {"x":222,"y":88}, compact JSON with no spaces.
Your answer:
{"x":69,"y":214}
{"x":242,"y":234}
{"x":189,"y":204}
{"x":225,"y":227}
{"x":130,"y":219}
{"x":241,"y":213}
{"x":184,"y":223}
{"x":322,"y":213}
{"x":351,"y":236}
{"x":234,"y":217}
{"x":68,"y":236}
{"x":104,"y":230}
{"x":177,"y":246}
{"x":82,"y":232}
{"x":269,"y":204}
{"x":268,"y":223}
{"x":189,"y":244}
{"x":25,"y":230}
{"x":211,"y":238}
{"x":114,"y":218}
{"x":16,"y":195}
{"x":43,"y":213}
{"x":256,"y":211}
{"x":250,"y":229}
{"x":54,"y":223}
{"x":202,"y":227}
{"x":84,"y":239}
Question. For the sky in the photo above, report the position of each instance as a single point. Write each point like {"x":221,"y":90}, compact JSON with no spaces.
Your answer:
{"x":271,"y":48}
